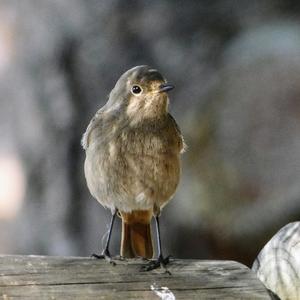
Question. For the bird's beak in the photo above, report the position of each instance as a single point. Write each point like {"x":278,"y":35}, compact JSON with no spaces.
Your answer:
{"x":165,"y":87}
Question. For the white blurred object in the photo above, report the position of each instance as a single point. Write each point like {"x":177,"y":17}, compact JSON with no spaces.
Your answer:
{"x":12,"y":186}
{"x":278,"y":264}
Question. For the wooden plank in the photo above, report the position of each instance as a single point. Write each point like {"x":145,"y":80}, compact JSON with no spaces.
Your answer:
{"x":44,"y":277}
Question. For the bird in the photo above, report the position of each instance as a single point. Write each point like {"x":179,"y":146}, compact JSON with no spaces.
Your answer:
{"x":133,"y":149}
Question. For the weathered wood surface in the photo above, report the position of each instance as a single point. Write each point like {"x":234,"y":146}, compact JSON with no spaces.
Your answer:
{"x":44,"y":277}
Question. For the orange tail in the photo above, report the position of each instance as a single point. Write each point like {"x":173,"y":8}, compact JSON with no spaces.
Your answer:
{"x":136,"y":234}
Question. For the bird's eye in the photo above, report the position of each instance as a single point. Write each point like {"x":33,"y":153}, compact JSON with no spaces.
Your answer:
{"x":136,"y":89}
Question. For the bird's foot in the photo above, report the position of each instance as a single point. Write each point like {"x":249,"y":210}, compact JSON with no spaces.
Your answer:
{"x":105,"y":255}
{"x":161,"y":262}
{"x":121,"y":258}
{"x":144,"y":258}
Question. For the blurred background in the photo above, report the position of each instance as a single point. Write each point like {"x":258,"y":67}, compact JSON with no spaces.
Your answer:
{"x":236,"y":68}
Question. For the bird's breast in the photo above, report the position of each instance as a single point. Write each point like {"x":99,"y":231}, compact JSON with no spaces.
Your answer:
{"x":140,"y":163}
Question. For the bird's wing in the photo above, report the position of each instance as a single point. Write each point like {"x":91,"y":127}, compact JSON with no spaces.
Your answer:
{"x":96,"y":120}
{"x":182,"y":144}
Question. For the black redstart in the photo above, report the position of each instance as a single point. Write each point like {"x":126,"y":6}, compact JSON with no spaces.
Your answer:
{"x":132,"y":165}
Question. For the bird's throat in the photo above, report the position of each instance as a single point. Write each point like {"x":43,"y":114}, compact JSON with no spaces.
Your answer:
{"x":151,"y":107}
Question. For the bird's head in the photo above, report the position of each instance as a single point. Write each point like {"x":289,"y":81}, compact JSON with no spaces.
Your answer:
{"x":141,"y":92}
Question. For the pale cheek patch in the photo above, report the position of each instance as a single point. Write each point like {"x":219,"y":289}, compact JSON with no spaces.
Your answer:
{"x":135,"y":105}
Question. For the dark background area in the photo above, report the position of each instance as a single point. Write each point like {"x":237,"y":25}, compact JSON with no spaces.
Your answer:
{"x":236,"y":68}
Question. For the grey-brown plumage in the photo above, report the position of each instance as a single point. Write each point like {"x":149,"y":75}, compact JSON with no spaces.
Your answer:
{"x":133,"y":148}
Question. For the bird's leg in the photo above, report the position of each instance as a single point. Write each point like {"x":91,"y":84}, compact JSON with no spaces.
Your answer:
{"x":105,"y":253}
{"x":161,"y":261}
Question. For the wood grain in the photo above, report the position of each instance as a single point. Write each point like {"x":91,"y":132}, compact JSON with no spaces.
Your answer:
{"x":45,"y":277}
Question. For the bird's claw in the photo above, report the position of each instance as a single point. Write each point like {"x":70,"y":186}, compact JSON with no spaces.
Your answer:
{"x":105,"y":255}
{"x":159,"y":262}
